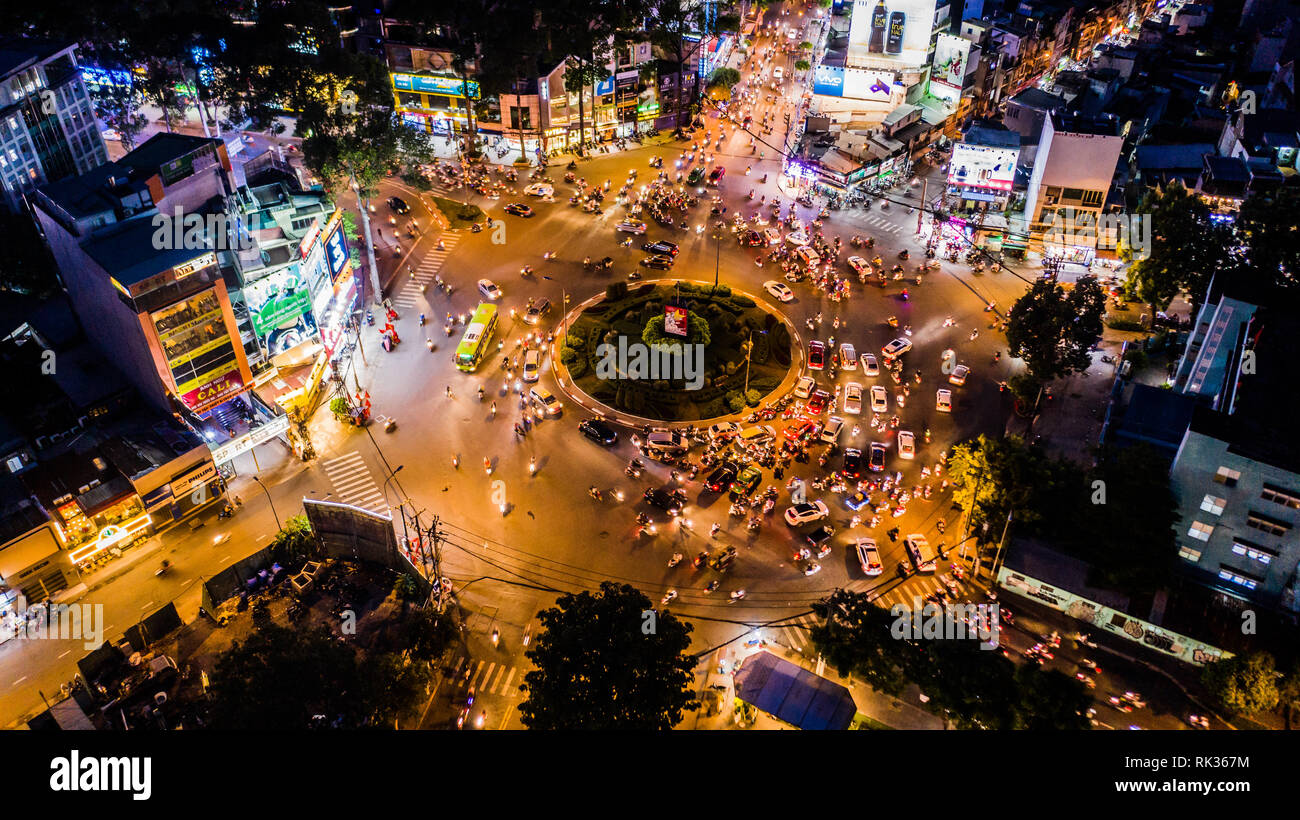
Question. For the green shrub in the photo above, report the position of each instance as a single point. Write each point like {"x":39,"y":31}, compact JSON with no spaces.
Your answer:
{"x":753,"y":397}
{"x":615,"y":291}
{"x":1125,"y":324}
{"x":339,"y":407}
{"x":735,"y":401}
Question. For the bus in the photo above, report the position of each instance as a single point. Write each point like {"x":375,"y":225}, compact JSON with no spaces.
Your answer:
{"x":920,"y":551}
{"x":478,"y":336}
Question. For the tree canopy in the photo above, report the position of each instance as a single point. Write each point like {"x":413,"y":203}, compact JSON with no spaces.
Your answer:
{"x":1052,"y":328}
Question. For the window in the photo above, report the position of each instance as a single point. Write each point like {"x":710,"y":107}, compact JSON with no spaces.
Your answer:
{"x":1280,"y":496}
{"x":1189,"y":554}
{"x":1263,"y":523}
{"x":1237,"y":577}
{"x":1092,"y":199}
{"x":1211,"y":504}
{"x":1200,"y":531}
{"x":1254,"y":552}
{"x":15,"y":463}
{"x":1227,"y":477}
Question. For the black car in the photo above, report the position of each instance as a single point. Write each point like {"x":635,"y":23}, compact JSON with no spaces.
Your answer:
{"x":660,"y":261}
{"x":670,"y":501}
{"x":852,"y":463}
{"x":721,"y":478}
{"x":518,"y":209}
{"x":398,"y":204}
{"x":819,"y":539}
{"x":661,"y":247}
{"x":753,"y":239}
{"x":599,"y":432}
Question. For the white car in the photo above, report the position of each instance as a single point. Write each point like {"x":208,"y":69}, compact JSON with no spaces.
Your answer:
{"x":869,"y":365}
{"x":879,"y":399}
{"x":831,"y":432}
{"x":943,"y":401}
{"x":906,"y":444}
{"x":806,"y":513}
{"x":778,"y":73}
{"x":804,"y":387}
{"x":532,"y":365}
{"x":799,"y":238}
{"x":896,"y":348}
{"x":853,"y":398}
{"x":724,"y":430}
{"x":773,"y":236}
{"x":540,"y":189}
{"x":868,"y":556}
{"x":630,"y":226}
{"x":859,"y":265}
{"x":848,"y":357}
{"x":959,"y":374}
{"x":546,"y":400}
{"x":779,"y":290}
{"x":489,"y":289}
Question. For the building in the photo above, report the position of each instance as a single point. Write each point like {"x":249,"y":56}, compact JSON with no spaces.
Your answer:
{"x":1236,"y":473}
{"x":48,"y":129}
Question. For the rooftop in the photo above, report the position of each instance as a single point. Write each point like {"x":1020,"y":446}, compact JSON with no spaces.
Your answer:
{"x":129,"y":255}
{"x":794,"y":695}
{"x":19,"y":53}
{"x":1038,"y":99}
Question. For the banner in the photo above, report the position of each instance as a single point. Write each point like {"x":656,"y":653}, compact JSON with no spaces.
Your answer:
{"x":891,"y":31}
{"x":983,"y":166}
{"x":675,"y":321}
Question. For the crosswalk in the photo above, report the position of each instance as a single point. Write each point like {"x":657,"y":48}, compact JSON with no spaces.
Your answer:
{"x":918,"y":587}
{"x":429,"y":266}
{"x":488,"y":677}
{"x":353,"y":484}
{"x":881,"y":224}
{"x":796,"y":634}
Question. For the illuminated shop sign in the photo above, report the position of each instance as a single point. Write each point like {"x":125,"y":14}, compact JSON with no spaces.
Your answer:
{"x":426,"y":84}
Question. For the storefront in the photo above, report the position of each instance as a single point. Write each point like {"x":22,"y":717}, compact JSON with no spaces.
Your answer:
{"x":33,"y":567}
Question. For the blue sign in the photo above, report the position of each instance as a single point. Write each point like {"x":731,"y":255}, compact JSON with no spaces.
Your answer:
{"x":428,"y":84}
{"x":828,"y":80}
{"x":336,"y":252}
{"x":604,"y":87}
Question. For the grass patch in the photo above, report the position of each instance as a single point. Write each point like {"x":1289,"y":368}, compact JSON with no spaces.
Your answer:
{"x":459,"y":214}
{"x":861,"y":721}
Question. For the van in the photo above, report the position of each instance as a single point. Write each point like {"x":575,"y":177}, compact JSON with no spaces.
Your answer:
{"x":760,"y":434}
{"x":808,"y":255}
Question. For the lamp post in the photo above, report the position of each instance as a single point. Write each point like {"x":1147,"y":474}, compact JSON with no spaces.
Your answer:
{"x":749,"y":352}
{"x":270,"y":502}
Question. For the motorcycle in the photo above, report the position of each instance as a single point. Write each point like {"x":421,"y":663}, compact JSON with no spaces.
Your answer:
{"x":675,"y":560}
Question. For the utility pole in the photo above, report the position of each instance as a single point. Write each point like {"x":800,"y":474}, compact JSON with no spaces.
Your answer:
{"x":920,"y":212}
{"x":1001,"y":543}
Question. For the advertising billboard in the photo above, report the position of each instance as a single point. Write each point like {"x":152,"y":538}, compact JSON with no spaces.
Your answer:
{"x":891,"y":32}
{"x":336,"y":251}
{"x":280,"y":306}
{"x":982,"y":166}
{"x":199,"y":351}
{"x":675,"y":321}
{"x":949,"y":66}
{"x":854,"y":83}
{"x":426,"y":84}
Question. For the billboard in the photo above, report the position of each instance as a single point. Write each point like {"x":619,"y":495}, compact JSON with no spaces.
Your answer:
{"x":280,"y":306}
{"x":675,"y":321}
{"x":983,"y":166}
{"x":427,"y":84}
{"x":336,"y":252}
{"x":949,"y":66}
{"x":891,"y":31}
{"x":854,"y":83}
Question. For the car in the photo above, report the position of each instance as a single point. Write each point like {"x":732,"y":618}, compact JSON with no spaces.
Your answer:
{"x":660,"y":261}
{"x":399,"y":205}
{"x":853,"y":398}
{"x":819,"y":540}
{"x":546,"y":399}
{"x":489,"y":289}
{"x":798,"y":238}
{"x":724,"y":430}
{"x":599,"y":432}
{"x":817,"y":403}
{"x":869,"y":365}
{"x":537,"y":310}
{"x":852,"y":463}
{"x":859,"y":265}
{"x":723,"y":560}
{"x":801,"y":430}
{"x":746,"y":483}
{"x":959,"y":374}
{"x":717,"y":174}
{"x":806,"y":513}
{"x":670,"y":500}
{"x":879,"y":399}
{"x":630,"y":226}
{"x":752,"y":239}
{"x":721,"y":478}
{"x":943,"y":401}
{"x":831,"y":432}
{"x":532,"y":365}
{"x":804,"y":387}
{"x":906,"y":444}
{"x":773,"y":236}
{"x":816,"y":355}
{"x":876,"y":461}
{"x":757,"y":435}
{"x":857,"y":501}
{"x":780,"y":290}
{"x":868,"y":556}
{"x":540,"y":189}
{"x":808,"y":256}
{"x":661,"y":246}
{"x":896,"y":348}
{"x":518,"y":209}
{"x":111,"y":135}
{"x":695,"y":176}
{"x":848,"y":357}
{"x":778,"y":73}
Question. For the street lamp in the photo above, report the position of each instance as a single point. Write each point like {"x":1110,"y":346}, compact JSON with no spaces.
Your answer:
{"x":269,"y":501}
{"x":749,"y":352}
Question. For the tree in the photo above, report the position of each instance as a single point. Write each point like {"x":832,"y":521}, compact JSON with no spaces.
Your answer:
{"x":27,"y":266}
{"x":1269,"y":227}
{"x":802,"y":65}
{"x":1243,"y":684}
{"x":601,"y":664}
{"x":854,"y":637}
{"x":1050,"y":700}
{"x":1187,"y":248}
{"x":675,"y":24}
{"x":1052,"y":329}
{"x":295,"y":543}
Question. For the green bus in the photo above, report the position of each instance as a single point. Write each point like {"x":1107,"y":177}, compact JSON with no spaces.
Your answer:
{"x":478,"y":336}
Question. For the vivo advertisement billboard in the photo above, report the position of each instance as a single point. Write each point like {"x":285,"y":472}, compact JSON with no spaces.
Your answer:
{"x":828,"y":80}
{"x":891,"y":32}
{"x":982,"y":166}
{"x":854,"y":83}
